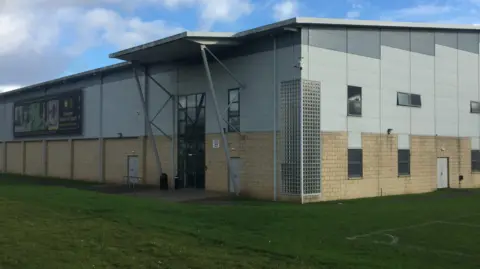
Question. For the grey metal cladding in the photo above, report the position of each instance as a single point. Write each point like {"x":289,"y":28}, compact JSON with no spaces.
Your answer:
{"x":468,"y":42}
{"x":364,"y":42}
{"x":447,"y":39}
{"x":423,"y":42}
{"x":262,"y":44}
{"x":399,"y":39}
{"x":332,"y":38}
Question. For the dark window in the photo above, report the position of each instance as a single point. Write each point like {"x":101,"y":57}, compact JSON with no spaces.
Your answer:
{"x":475,"y":160}
{"x":403,"y":162}
{"x":354,"y":101}
{"x":409,"y":99}
{"x":474,"y":107}
{"x":415,"y":100}
{"x":234,"y":110}
{"x":355,"y":164}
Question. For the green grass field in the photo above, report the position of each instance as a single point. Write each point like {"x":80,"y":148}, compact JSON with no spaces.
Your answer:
{"x":57,"y":227}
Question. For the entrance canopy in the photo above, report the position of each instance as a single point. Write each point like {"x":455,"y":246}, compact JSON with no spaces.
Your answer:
{"x":177,"y":48}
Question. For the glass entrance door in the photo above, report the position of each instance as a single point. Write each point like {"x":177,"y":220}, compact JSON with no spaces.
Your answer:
{"x":191,"y":141}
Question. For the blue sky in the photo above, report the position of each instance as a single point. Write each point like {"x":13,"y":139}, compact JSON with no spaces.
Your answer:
{"x":46,"y":39}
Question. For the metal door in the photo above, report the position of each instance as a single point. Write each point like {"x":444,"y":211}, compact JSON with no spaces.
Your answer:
{"x":235,"y":170}
{"x":442,"y":173}
{"x":132,"y":165}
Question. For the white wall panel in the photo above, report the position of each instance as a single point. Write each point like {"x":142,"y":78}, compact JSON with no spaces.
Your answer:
{"x":422,"y":64}
{"x":475,"y":143}
{"x":403,"y":141}
{"x":446,"y":84}
{"x":326,"y":61}
{"x":329,"y":67}
{"x":363,"y":70}
{"x":354,"y":140}
{"x":469,"y":124}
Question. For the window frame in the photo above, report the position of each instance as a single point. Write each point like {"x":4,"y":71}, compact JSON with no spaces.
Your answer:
{"x":350,"y":114}
{"x":471,"y":107}
{"x":474,"y":160}
{"x":230,"y":113}
{"x":409,"y":99}
{"x":407,"y":162}
{"x":356,"y":162}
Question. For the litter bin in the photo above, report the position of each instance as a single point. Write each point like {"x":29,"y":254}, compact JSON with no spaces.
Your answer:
{"x":164,"y":182}
{"x":178,"y":182}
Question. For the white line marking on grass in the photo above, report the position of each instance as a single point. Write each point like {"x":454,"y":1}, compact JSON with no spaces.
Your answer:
{"x":410,"y":227}
{"x":391,"y":230}
{"x":460,"y":224}
{"x":394,"y":240}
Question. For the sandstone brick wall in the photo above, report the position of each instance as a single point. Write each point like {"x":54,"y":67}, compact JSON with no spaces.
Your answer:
{"x":15,"y":157}
{"x":59,"y":159}
{"x":164,"y":147}
{"x":86,"y":158}
{"x":2,"y":160}
{"x":256,"y":153}
{"x":34,"y":158}
{"x":380,"y":170}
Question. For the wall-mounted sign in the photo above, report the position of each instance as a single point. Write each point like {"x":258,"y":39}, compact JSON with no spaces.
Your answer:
{"x":215,"y":143}
{"x":58,"y":114}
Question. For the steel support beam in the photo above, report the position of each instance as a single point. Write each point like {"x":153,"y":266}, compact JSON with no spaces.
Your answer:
{"x":219,"y":118}
{"x":224,"y":67}
{"x":148,"y":123}
{"x":240,"y":84}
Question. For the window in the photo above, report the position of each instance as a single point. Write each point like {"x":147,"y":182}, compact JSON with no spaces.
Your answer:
{"x":474,"y":107}
{"x":409,"y":99}
{"x":354,"y":101}
{"x":234,"y":110}
{"x":475,"y":160}
{"x":403,"y":162}
{"x":355,"y":165}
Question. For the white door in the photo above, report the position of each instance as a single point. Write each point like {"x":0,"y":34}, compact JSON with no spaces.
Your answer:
{"x":235,"y":168}
{"x":132,"y":169}
{"x":442,"y":173}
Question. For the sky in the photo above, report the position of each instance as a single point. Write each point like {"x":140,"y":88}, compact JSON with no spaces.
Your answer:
{"x":42,"y":40}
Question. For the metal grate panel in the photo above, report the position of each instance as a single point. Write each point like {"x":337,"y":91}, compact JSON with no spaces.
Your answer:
{"x":311,"y":140}
{"x":290,"y":133}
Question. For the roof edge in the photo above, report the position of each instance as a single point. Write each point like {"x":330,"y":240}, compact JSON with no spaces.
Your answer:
{"x":171,"y":39}
{"x":371,"y":23}
{"x":49,"y":83}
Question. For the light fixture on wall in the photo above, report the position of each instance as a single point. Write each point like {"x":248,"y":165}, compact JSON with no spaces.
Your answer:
{"x":120,"y":135}
{"x":389,"y":130}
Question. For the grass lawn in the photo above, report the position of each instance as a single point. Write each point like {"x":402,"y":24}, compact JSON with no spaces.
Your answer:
{"x":50,"y":227}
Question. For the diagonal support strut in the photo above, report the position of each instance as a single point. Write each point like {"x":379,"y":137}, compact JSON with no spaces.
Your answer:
{"x":148,"y":123}
{"x":240,"y":84}
{"x":231,"y":181}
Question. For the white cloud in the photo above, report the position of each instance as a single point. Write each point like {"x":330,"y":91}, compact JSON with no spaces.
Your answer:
{"x":41,"y":38}
{"x":423,"y":10}
{"x":285,"y":9}
{"x":353,"y":14}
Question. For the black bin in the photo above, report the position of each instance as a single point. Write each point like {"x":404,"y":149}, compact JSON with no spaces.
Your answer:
{"x":164,"y":182}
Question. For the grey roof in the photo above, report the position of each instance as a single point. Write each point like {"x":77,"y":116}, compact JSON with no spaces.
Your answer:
{"x":359,"y":23}
{"x":266,"y":29}
{"x":66,"y":79}
{"x":217,"y":35}
{"x":295,"y":22}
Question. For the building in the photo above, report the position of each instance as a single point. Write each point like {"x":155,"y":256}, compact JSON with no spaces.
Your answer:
{"x":305,"y":109}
